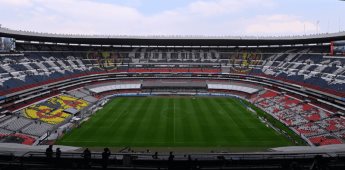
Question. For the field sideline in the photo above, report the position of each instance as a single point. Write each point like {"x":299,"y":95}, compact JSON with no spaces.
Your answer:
{"x":185,"y":122}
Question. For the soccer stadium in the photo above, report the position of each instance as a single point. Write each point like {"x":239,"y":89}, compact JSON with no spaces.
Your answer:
{"x":171,"y":102}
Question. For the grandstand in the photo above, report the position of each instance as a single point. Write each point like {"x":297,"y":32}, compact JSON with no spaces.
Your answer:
{"x":293,"y":85}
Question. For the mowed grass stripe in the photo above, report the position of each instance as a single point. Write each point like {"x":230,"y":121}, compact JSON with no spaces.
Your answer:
{"x":234,"y":130}
{"x":184,"y":122}
{"x":224,"y":124}
{"x":174,"y":122}
{"x":115,"y":118}
{"x":203,"y":122}
{"x":246,"y":126}
{"x":230,"y":114}
{"x":91,"y":125}
{"x":143,"y":126}
{"x":262,"y":133}
{"x":193,"y":132}
{"x":151,"y":116}
{"x":160,"y":120}
{"x":138,"y":123}
{"x":233,"y":115}
{"x":169,"y":133}
{"x":130,"y":125}
{"x":252,"y":128}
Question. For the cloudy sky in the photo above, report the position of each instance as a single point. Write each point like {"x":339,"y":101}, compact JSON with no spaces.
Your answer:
{"x":175,"y":17}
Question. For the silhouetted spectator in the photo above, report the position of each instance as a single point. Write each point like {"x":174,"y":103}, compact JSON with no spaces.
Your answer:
{"x":49,"y":151}
{"x":170,"y":162}
{"x":171,"y":157}
{"x":87,"y":157}
{"x":105,"y":157}
{"x":155,"y":156}
{"x":58,"y":153}
{"x":58,"y":156}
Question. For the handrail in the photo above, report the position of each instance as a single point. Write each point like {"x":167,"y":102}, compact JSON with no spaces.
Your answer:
{"x":262,"y":155}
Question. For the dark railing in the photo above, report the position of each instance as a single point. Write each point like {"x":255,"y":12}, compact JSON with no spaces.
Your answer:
{"x":38,"y":160}
{"x":200,"y":156}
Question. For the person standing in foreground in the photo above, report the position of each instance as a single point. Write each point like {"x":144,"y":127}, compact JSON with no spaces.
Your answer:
{"x":105,"y":157}
{"x":58,"y":153}
{"x":49,"y":152}
{"x":87,"y":157}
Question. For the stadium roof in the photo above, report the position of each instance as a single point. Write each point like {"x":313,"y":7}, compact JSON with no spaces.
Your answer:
{"x":170,"y":40}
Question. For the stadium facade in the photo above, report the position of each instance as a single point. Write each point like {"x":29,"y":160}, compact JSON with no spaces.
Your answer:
{"x":51,"y":82}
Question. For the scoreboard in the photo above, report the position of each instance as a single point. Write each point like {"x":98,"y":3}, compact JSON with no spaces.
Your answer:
{"x":6,"y":44}
{"x":338,"y":47}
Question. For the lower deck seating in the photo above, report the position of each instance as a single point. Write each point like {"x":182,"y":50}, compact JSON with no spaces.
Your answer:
{"x":311,"y":113}
{"x":285,"y":101}
{"x":310,"y":129}
{"x":326,"y":139}
{"x":333,"y":124}
{"x":77,"y":94}
{"x":70,"y":102}
{"x":38,"y":119}
{"x":266,"y":94}
{"x":264,"y":103}
{"x":83,"y":94}
{"x":90,"y":99}
{"x":16,"y":124}
{"x":45,"y":114}
{"x":5,"y":131}
{"x":17,"y":138}
{"x":52,"y":111}
{"x":5,"y":118}
{"x":341,"y":134}
{"x":294,"y":120}
{"x":307,"y":119}
{"x":37,"y":129}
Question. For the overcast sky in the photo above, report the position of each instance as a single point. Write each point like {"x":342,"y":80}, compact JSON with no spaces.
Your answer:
{"x":175,"y":17}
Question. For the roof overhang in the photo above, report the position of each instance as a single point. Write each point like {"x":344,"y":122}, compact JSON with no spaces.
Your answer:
{"x":170,"y":40}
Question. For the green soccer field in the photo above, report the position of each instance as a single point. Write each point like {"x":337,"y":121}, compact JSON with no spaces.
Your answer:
{"x":166,"y":122}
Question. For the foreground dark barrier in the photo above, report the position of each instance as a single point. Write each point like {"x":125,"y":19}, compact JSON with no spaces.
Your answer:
{"x":38,"y":160}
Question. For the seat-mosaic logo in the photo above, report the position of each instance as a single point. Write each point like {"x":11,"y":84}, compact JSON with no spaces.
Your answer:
{"x":244,"y":62}
{"x":108,"y":60}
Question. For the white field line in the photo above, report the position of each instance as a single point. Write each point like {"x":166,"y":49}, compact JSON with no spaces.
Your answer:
{"x":174,"y":120}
